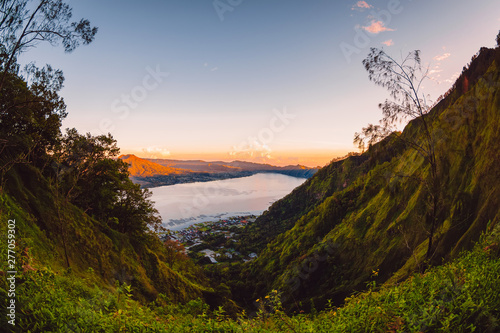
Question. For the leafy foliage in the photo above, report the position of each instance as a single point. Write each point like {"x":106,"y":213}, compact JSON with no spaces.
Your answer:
{"x":91,"y":177}
{"x":85,"y":250}
{"x":460,"y":296}
{"x":73,"y":201}
{"x":30,"y":118}
{"x":403,"y":80}
{"x":23,"y":26}
{"x":370,"y":211}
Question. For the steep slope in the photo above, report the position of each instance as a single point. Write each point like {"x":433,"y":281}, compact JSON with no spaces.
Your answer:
{"x":53,"y":234}
{"x":366,"y":214}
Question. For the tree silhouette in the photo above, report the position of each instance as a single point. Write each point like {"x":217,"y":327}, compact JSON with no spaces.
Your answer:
{"x":403,"y":80}
{"x":92,"y":178}
{"x":23,"y":25}
{"x":30,"y":117}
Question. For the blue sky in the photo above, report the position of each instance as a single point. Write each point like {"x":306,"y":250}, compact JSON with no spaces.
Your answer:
{"x":278,"y":81}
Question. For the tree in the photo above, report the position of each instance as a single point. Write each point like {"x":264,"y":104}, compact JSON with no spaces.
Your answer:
{"x":24,"y":25}
{"x":79,"y":157}
{"x":174,"y":252}
{"x":30,"y":117}
{"x":498,"y":38}
{"x":403,"y":80}
{"x":31,"y":113}
{"x":134,"y":211}
{"x":92,"y":178}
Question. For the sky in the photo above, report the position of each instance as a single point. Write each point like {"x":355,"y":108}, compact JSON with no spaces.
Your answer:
{"x":273,"y":81}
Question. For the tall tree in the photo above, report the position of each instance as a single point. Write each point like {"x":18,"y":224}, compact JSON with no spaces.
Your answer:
{"x":31,"y":113}
{"x":93,"y":179}
{"x":24,"y":24}
{"x":403,"y":80}
{"x":30,"y":117}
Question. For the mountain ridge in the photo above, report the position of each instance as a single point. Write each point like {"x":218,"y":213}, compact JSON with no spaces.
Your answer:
{"x":160,"y":172}
{"x":366,"y":213}
{"x":139,"y":167}
{"x":351,"y":234}
{"x":236,"y":164}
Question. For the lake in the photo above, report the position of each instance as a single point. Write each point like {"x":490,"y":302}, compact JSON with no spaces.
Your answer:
{"x":182,"y":205}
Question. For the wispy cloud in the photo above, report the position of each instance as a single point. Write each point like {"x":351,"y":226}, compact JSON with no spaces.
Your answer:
{"x":377,"y":27}
{"x":435,"y":70}
{"x":453,"y":78}
{"x":155,"y":152}
{"x":253,"y":150}
{"x":442,"y":56}
{"x":433,"y":73}
{"x":361,"y":5}
{"x":388,"y":42}
{"x":212,"y":69}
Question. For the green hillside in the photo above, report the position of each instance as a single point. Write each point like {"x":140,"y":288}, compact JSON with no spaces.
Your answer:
{"x":367,"y":213}
{"x":72,"y":221}
{"x":57,"y":237}
{"x":346,"y":251}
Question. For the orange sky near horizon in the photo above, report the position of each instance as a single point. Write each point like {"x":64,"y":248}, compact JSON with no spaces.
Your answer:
{"x":311,"y":158}
{"x":279,"y":82}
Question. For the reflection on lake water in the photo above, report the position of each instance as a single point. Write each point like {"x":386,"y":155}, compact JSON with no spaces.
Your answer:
{"x":181,"y":205}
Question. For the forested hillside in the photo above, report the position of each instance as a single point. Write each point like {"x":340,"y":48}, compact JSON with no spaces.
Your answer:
{"x":67,"y":205}
{"x":367,"y":213}
{"x":355,"y":248}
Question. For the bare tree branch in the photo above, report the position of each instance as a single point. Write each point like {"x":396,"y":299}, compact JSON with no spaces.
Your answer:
{"x":404,"y":80}
{"x":49,"y":21}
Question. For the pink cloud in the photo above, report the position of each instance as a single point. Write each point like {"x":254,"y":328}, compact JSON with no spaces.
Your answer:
{"x":360,"y":5}
{"x":442,"y":56}
{"x":376,"y":27}
{"x":453,"y":78}
{"x":388,"y":42}
{"x":434,"y":74}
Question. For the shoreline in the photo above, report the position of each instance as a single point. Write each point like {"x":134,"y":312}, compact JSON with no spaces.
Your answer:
{"x":196,"y":231}
{"x":177,"y":225}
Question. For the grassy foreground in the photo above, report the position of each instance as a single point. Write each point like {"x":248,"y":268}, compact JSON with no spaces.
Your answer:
{"x":461,"y":296}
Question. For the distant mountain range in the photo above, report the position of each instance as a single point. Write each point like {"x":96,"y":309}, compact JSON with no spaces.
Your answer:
{"x":160,"y":172}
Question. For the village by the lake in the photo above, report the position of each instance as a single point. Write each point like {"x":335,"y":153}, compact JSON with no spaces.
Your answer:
{"x":214,"y":241}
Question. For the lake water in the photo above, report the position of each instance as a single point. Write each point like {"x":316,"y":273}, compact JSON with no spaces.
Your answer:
{"x":182,"y":205}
